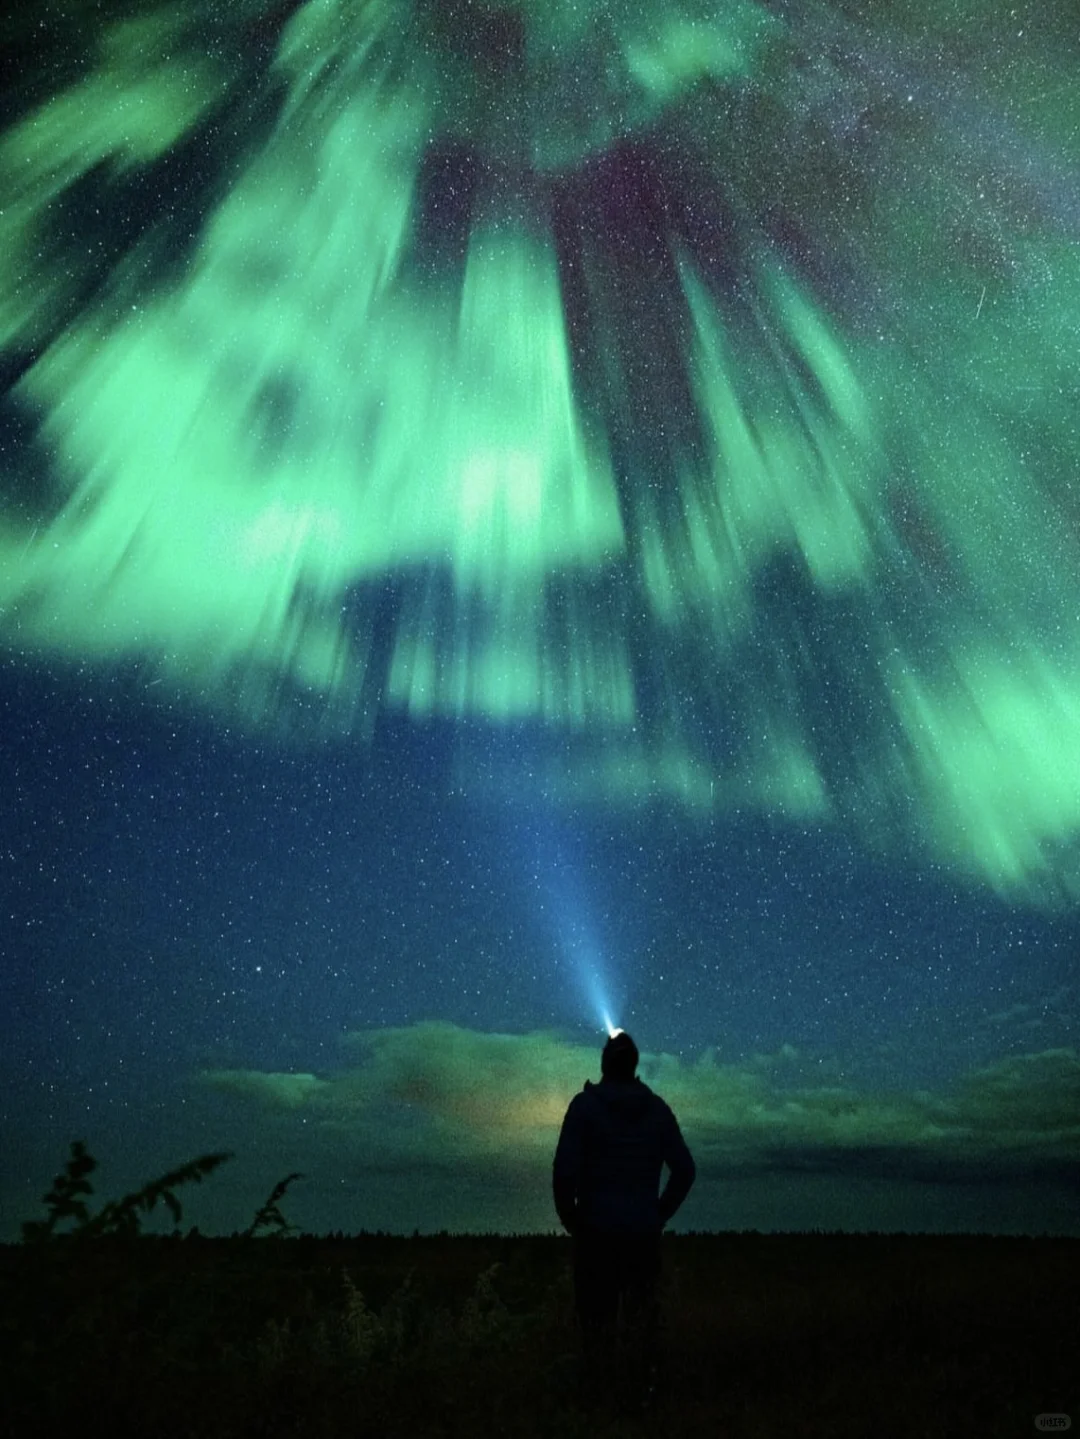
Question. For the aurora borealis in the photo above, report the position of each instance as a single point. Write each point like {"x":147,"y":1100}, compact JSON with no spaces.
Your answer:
{"x":512,"y":509}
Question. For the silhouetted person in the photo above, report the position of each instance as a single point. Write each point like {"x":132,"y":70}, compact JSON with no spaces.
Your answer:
{"x":615,"y":1140}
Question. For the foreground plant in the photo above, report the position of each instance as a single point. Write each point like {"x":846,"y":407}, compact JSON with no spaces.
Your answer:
{"x":66,"y":1200}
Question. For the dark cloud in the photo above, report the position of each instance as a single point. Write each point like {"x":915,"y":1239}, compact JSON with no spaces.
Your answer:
{"x":435,"y":1096}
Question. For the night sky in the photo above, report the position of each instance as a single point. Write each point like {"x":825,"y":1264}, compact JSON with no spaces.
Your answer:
{"x":517,"y":519}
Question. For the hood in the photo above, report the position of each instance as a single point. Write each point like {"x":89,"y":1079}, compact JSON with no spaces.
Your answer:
{"x":626,"y":1099}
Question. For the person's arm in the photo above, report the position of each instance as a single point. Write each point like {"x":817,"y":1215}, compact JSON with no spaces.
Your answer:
{"x":680,"y":1161}
{"x":566,"y":1169}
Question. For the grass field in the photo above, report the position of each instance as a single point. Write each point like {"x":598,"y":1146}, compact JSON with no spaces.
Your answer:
{"x":763,"y":1335}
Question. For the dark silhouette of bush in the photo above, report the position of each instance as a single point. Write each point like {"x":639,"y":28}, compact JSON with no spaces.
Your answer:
{"x":122,"y":1218}
{"x":270,"y":1216}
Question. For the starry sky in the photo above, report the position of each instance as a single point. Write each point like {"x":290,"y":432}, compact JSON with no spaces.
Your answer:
{"x":521,"y":518}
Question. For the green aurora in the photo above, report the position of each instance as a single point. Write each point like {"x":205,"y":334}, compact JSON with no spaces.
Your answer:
{"x":692,"y":387}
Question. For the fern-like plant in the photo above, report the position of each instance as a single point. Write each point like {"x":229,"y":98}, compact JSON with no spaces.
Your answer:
{"x":66,"y":1200}
{"x":63,"y":1201}
{"x":120,"y":1216}
{"x":270,"y":1216}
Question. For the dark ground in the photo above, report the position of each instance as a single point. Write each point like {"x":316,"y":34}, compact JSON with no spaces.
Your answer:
{"x":816,"y":1334}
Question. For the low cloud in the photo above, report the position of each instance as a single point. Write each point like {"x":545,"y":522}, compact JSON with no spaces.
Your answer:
{"x":287,"y":1091}
{"x":435,"y":1096}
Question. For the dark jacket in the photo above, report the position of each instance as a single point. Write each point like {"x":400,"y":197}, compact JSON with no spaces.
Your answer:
{"x":615,"y":1139}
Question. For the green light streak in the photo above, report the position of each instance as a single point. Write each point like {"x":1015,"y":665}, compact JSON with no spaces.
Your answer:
{"x":301,"y":422}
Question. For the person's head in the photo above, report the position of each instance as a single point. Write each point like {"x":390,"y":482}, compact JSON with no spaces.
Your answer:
{"x":619,"y":1059}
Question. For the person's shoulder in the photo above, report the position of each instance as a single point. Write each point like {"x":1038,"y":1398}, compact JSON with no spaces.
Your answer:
{"x":659,"y":1103}
{"x":648,"y":1096}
